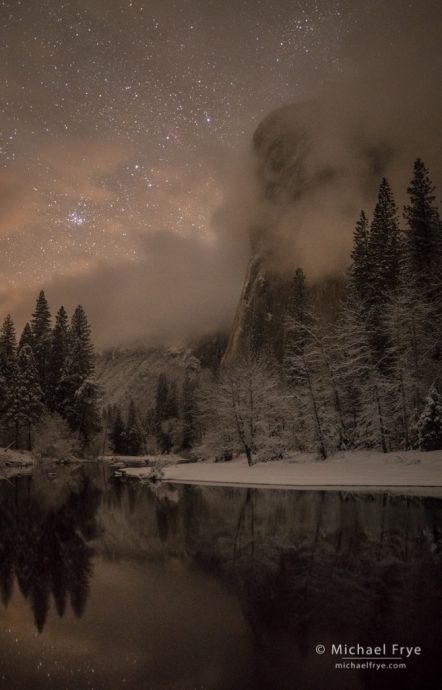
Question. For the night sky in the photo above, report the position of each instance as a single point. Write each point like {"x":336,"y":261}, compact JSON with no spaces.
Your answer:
{"x":124,"y":134}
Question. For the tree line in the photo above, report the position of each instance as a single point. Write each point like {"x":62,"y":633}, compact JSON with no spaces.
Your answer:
{"x":47,"y":378}
{"x":369,"y":378}
{"x":172,"y":424}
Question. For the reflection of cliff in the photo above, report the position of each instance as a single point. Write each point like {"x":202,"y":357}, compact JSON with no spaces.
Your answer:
{"x":46,"y":551}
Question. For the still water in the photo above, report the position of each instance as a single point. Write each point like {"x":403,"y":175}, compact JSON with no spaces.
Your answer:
{"x":108,"y":585}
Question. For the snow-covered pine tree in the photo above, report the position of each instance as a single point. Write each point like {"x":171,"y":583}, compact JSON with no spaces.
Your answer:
{"x":77,"y":392}
{"x":58,"y":354}
{"x":298,"y":318}
{"x":85,"y":415}
{"x":81,"y":343}
{"x":384,"y":260}
{"x":357,"y":368}
{"x":384,"y":245}
{"x":429,"y":426}
{"x":359,"y":274}
{"x":190,"y":411}
{"x":118,"y":436}
{"x":8,"y":349}
{"x":424,"y":230}
{"x":166,"y":413}
{"x":134,"y":431}
{"x":8,"y":361}
{"x":411,"y":339}
{"x":41,"y":335}
{"x":26,"y":337}
{"x":317,"y":387}
{"x":424,"y":247}
{"x":25,"y":404}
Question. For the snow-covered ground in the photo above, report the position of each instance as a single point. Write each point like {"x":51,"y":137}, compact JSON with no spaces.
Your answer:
{"x":421,"y":472}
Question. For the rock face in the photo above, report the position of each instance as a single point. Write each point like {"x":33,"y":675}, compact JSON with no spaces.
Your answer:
{"x":126,"y":374}
{"x":281,"y":144}
{"x":259,"y":319}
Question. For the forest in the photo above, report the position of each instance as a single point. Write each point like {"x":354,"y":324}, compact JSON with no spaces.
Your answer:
{"x":47,"y":389}
{"x":366,"y":374}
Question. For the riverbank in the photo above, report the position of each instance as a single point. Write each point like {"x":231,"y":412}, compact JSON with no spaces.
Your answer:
{"x":419,"y":471}
{"x":13,"y":461}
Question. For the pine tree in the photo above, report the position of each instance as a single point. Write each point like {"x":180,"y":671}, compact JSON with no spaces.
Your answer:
{"x":162,"y":396}
{"x":26,"y":337}
{"x":41,"y":334}
{"x":190,"y":411}
{"x":134,"y":433}
{"x":411,"y":335}
{"x":384,"y":247}
{"x":118,"y":434}
{"x":319,"y":405}
{"x":297,"y":321}
{"x":363,"y":384}
{"x":58,"y":354}
{"x":82,"y":347}
{"x":77,"y":393}
{"x":172,"y":401}
{"x":360,"y":267}
{"x":166,"y":412}
{"x":424,"y":230}
{"x":85,"y":417}
{"x":429,"y":426}
{"x":8,"y":349}
{"x":384,"y":260}
{"x":25,"y":401}
{"x":8,"y":354}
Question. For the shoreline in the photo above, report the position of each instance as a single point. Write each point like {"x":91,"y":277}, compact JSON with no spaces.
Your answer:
{"x":404,"y":472}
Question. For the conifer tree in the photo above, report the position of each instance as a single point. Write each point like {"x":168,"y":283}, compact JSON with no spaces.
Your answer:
{"x":429,"y":426}
{"x":58,"y":354}
{"x":384,"y":260}
{"x":82,"y":347}
{"x":384,"y":247}
{"x":41,"y":334}
{"x":172,"y":401}
{"x":190,"y":411}
{"x":134,"y":432}
{"x":25,"y":399}
{"x":360,"y":267}
{"x":365,"y":386}
{"x":424,"y":231}
{"x":84,"y":415}
{"x":26,"y":337}
{"x":118,"y":434}
{"x":8,"y":349}
{"x":297,"y":320}
{"x":77,"y":393}
{"x":166,"y":412}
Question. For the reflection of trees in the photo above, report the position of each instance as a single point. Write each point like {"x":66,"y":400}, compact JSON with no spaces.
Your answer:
{"x":364,"y":568}
{"x":46,"y":550}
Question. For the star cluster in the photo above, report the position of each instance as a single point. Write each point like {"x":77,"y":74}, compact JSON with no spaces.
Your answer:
{"x":120,"y":118}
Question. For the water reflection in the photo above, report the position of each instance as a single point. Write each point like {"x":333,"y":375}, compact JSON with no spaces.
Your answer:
{"x":45,"y":547}
{"x":297,"y":568}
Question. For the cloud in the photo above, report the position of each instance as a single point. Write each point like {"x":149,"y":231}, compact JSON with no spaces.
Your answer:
{"x":161,"y":254}
{"x":320,"y":162}
{"x":176,"y":289}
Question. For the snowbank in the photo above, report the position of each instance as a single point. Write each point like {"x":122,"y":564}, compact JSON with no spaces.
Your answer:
{"x":357,"y":469}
